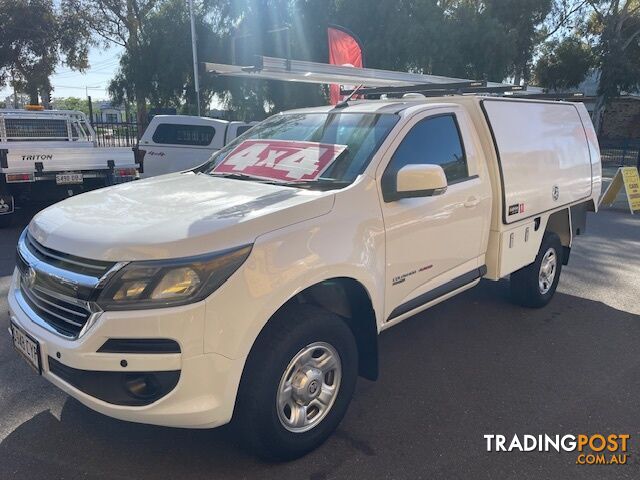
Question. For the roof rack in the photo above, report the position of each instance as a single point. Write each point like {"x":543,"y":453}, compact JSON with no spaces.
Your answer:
{"x":553,"y":96}
{"x":437,"y":90}
{"x":273,"y":68}
{"x":373,"y":82}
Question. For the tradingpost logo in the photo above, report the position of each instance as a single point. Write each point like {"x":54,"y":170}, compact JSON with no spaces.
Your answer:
{"x":591,"y":449}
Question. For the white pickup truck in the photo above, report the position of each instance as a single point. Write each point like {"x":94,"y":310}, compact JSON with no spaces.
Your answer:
{"x":254,"y":287}
{"x":173,"y":143}
{"x":52,"y":154}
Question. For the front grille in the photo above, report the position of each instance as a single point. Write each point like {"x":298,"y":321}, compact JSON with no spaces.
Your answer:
{"x":95,"y":268}
{"x":57,"y":288}
{"x":66,"y":315}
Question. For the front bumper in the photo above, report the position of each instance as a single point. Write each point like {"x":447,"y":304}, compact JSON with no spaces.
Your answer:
{"x":204,"y":395}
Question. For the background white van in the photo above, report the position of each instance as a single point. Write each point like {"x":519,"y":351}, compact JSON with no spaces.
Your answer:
{"x":172,"y":143}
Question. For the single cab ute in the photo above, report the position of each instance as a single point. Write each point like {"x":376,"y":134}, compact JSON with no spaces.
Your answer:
{"x":253,"y":288}
{"x":48,"y":155}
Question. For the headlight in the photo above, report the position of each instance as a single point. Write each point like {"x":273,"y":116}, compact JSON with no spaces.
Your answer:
{"x":167,"y":283}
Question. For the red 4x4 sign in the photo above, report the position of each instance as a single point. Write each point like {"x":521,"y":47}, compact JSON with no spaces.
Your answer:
{"x":282,"y":160}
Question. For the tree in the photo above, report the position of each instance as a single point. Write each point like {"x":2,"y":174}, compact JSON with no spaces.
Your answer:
{"x":123,"y":22}
{"x":615,"y":25}
{"x":254,"y":25}
{"x":476,"y":45}
{"x":522,"y":21}
{"x":164,"y":69}
{"x":563,"y":64}
{"x":480,"y":39}
{"x":35,"y":37}
{"x":74,"y":103}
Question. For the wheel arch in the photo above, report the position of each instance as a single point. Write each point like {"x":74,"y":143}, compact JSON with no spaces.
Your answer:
{"x":560,"y":223}
{"x":351,"y":301}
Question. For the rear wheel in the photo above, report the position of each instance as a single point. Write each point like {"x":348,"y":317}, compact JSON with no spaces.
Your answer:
{"x":535,"y":284}
{"x":297,"y":383}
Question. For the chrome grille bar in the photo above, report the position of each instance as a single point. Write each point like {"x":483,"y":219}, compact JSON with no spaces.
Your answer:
{"x":35,"y":302}
{"x":41,"y":298}
{"x":67,"y":261}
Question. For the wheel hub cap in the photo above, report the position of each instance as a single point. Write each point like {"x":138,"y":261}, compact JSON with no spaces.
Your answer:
{"x":547,"y":271}
{"x":309,"y":387}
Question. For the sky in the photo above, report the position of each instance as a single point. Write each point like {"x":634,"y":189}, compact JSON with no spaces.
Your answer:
{"x":67,"y":83}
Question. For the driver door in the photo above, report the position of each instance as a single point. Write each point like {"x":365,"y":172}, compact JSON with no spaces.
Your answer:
{"x":434,"y":243}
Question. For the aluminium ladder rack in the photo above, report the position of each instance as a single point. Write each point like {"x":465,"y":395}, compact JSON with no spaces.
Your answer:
{"x":273,"y":68}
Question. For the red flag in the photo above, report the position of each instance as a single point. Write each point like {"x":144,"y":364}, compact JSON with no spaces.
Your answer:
{"x":344,"y":49}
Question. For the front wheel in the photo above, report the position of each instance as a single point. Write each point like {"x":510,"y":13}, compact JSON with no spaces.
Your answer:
{"x":297,"y":383}
{"x":534,"y":285}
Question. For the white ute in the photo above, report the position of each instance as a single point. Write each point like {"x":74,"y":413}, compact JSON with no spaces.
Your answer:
{"x":253,"y":288}
{"x":173,"y":143}
{"x":52,"y":154}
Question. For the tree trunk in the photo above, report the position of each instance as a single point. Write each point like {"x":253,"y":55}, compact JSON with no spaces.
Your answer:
{"x":517,"y":77}
{"x":141,"y":111}
{"x":598,"y":113}
{"x":45,"y":95}
{"x":133,"y":49}
{"x":33,"y":96}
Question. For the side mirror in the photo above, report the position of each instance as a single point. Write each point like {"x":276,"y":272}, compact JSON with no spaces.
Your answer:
{"x":417,"y":181}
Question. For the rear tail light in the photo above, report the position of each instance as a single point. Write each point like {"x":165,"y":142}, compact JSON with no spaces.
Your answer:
{"x":126,"y":172}
{"x":19,"y":177}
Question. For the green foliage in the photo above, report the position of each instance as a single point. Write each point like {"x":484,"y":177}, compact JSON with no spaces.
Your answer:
{"x":476,"y":44}
{"x":75,"y":103}
{"x":563,"y":64}
{"x":490,"y":39}
{"x":477,"y":39}
{"x":35,"y":37}
{"x":523,"y":24}
{"x":616,"y":27}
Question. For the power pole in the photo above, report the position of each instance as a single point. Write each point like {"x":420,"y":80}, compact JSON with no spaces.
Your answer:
{"x":195,"y":55}
{"x":89,"y":104}
{"x":15,"y":94}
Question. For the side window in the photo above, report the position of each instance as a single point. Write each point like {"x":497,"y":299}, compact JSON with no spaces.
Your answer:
{"x":436,"y":141}
{"x":242,"y":129}
{"x":175,"y":134}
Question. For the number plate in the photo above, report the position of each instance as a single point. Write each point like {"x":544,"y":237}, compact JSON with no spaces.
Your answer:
{"x":68,"y":178}
{"x":27,"y":347}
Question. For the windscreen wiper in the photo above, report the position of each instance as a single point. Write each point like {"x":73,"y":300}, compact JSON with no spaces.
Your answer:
{"x":321,"y":184}
{"x":236,"y":176}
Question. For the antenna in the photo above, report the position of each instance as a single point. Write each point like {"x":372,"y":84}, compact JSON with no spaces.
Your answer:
{"x":345,"y":102}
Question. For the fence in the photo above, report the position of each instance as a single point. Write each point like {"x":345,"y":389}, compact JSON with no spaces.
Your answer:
{"x":117,"y":134}
{"x":620,"y":153}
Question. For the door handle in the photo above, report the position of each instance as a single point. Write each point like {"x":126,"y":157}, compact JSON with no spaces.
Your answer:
{"x":471,"y":202}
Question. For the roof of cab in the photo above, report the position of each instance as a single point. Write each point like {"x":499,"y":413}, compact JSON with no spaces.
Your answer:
{"x":373,"y":106}
{"x":398,"y":105}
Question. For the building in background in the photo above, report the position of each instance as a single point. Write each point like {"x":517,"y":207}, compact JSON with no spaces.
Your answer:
{"x":110,"y":113}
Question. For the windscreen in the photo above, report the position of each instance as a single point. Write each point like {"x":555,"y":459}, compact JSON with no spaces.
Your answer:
{"x":342,"y":143}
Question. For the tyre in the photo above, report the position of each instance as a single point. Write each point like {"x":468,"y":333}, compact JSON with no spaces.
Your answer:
{"x":297,"y":383}
{"x":534,"y":285}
